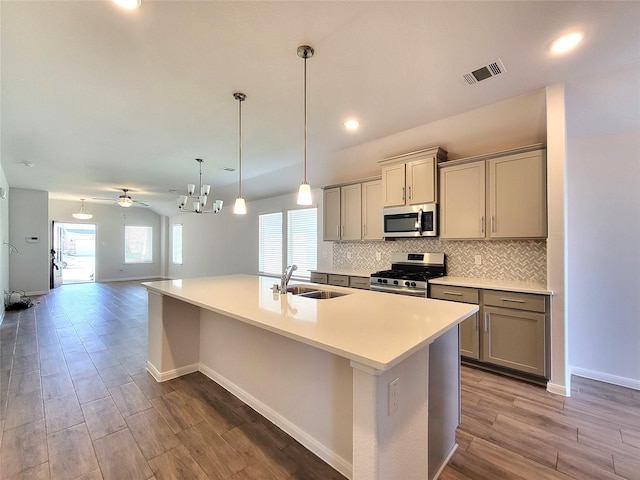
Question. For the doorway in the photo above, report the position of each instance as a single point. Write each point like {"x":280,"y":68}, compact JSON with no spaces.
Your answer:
{"x":73,"y":254}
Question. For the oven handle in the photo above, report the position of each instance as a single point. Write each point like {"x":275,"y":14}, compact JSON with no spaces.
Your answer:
{"x":420,"y":222}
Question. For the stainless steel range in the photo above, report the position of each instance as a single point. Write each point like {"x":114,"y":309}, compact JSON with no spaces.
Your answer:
{"x":409,"y":273}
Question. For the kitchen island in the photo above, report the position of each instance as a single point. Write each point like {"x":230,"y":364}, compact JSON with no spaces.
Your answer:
{"x":367,"y":381}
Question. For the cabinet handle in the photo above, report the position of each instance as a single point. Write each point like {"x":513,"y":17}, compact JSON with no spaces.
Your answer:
{"x":338,"y":231}
{"x":403,"y":194}
{"x":453,"y":293}
{"x":341,"y":231}
{"x":409,"y":193}
{"x":364,"y":229}
{"x":492,"y":229}
{"x":514,"y":300}
{"x":486,"y":322}
{"x":482,"y":224}
{"x":475,"y":323}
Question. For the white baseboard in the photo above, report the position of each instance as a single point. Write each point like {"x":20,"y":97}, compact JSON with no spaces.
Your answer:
{"x":171,"y":374}
{"x":337,"y":462}
{"x":558,"y":389}
{"x":43,"y":292}
{"x":446,"y":461}
{"x":606,"y":377}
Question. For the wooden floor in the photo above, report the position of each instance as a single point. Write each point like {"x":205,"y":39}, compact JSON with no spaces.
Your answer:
{"x":76,"y":402}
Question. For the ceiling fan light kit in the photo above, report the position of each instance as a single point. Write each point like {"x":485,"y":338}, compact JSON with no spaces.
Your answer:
{"x":82,"y":214}
{"x":304,"y":192}
{"x":199,"y":201}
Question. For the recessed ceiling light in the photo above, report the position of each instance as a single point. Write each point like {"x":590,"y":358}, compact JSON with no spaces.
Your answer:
{"x":128,"y":4}
{"x":566,"y":42}
{"x":352,"y":124}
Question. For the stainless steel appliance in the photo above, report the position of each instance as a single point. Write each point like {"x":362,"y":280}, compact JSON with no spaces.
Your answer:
{"x":409,"y":273}
{"x":410,"y":221}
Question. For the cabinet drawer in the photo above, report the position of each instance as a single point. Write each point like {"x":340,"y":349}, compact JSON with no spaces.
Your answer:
{"x":318,"y":277}
{"x":517,"y":301}
{"x":455,"y":294}
{"x":339,"y":280}
{"x":359,"y":282}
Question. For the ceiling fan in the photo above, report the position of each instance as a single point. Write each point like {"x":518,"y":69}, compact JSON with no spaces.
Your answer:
{"x":124,"y":200}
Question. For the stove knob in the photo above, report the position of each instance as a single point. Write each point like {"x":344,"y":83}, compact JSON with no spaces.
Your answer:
{"x":413,"y":284}
{"x":379,"y":280}
{"x":408,"y":284}
{"x":384,"y":281}
{"x":395,"y":282}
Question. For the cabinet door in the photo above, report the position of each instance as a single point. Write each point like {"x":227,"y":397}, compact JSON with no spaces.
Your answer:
{"x":372,"y":210}
{"x":331,"y":214}
{"x":351,"y":212}
{"x":421,"y":181}
{"x":518,"y":196}
{"x":462,"y":201}
{"x":514,"y":339}
{"x":393,"y":191}
{"x":470,"y":338}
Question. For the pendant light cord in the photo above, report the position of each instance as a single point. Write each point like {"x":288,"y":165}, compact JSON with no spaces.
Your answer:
{"x":305,"y":118}
{"x":240,"y":148}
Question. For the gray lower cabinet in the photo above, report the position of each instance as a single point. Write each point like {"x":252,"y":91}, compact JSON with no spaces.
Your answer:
{"x":468,"y":329}
{"x":513,"y":331}
{"x":316,"y":277}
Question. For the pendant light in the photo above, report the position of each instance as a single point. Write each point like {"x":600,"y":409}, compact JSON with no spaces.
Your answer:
{"x":199,"y":197}
{"x":240,"y":208}
{"x":304,"y":192}
{"x":82,"y":214}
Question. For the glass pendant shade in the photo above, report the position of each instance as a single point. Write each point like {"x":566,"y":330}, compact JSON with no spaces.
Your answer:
{"x":203,"y":200}
{"x":196,"y":207}
{"x":191,"y":188}
{"x":205,"y":189}
{"x":240,"y":208}
{"x":82,"y":215}
{"x":304,"y":194}
{"x":198,"y":195}
{"x":125,"y":202}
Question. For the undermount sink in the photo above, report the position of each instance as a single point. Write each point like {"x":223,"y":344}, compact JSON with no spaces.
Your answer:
{"x":312,"y":292}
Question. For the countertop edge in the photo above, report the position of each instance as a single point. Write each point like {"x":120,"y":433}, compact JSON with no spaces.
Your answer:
{"x":490,"y":284}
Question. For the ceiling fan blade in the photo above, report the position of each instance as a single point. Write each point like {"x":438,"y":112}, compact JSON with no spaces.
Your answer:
{"x":105,"y":199}
{"x":141,"y":203}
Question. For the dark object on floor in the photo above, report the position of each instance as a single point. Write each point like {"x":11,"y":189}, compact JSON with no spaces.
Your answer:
{"x":19,"y":305}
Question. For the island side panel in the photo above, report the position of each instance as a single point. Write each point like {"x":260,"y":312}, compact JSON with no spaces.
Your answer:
{"x":174,"y":330}
{"x":444,"y":399}
{"x":302,"y":389}
{"x":393,"y":444}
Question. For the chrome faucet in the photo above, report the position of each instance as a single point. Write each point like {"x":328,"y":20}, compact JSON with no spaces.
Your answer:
{"x":286,"y":276}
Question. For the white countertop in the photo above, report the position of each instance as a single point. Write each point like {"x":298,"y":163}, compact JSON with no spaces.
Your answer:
{"x":344,"y":271}
{"x":485,"y":283}
{"x":372,"y":328}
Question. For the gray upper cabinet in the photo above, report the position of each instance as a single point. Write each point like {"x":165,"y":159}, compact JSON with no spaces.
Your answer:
{"x":353,"y":211}
{"x":410,"y":179}
{"x":501,"y":197}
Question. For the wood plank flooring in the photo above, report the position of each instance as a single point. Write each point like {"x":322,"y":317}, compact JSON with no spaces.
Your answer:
{"x":77,"y":403}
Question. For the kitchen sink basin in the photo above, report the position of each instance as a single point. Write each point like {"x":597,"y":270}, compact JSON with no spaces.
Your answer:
{"x":312,"y":292}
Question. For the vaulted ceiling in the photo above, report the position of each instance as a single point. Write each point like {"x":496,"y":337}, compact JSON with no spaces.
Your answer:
{"x":95,"y":98}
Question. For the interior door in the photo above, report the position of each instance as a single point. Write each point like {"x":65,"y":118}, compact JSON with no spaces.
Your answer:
{"x":57,"y":237}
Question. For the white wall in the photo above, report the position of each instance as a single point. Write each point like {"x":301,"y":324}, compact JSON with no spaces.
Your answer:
{"x":603,"y":228}
{"x":29,"y":268}
{"x":604,"y":260}
{"x":225,"y":243}
{"x":4,"y":237}
{"x":110,"y":221}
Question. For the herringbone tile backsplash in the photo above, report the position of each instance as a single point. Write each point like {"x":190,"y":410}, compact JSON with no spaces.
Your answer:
{"x":501,"y":260}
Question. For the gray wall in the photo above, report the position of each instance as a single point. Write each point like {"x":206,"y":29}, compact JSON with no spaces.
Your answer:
{"x":110,"y":221}
{"x":4,"y":236}
{"x":29,"y":268}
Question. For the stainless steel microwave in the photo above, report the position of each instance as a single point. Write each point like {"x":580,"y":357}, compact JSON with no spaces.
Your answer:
{"x":410,"y":221}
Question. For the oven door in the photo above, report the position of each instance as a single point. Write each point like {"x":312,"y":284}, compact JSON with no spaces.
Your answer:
{"x":411,"y":221}
{"x":399,"y":290}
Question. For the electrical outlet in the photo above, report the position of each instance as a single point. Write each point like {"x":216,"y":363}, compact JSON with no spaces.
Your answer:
{"x":378,"y":256}
{"x":394,"y":395}
{"x":478,"y":259}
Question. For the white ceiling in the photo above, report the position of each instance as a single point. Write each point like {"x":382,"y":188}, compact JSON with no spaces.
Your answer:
{"x":98,"y":98}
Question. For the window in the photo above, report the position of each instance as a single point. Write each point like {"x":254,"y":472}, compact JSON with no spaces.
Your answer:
{"x":270,"y":244}
{"x":138,"y":242}
{"x":302,"y":240}
{"x":176,"y":239}
{"x":301,"y":236}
